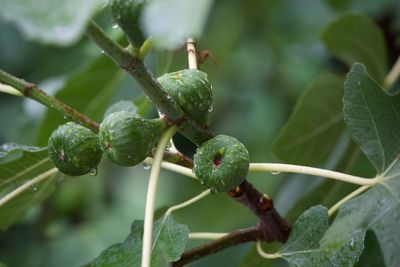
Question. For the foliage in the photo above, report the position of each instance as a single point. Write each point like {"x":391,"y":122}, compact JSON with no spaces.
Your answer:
{"x":265,"y":52}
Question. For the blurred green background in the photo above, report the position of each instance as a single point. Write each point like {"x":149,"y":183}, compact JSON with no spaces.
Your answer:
{"x":266,"y":52}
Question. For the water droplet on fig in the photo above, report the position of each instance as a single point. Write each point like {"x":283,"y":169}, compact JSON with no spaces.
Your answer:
{"x":146,"y":166}
{"x":93,"y":171}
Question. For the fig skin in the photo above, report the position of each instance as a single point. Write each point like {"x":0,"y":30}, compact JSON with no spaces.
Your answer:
{"x":221,"y":163}
{"x":74,"y":149}
{"x":192,"y":91}
{"x":127,"y":139}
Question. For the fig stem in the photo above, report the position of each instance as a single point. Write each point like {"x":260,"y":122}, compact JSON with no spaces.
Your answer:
{"x":188,"y":202}
{"x":151,"y":195}
{"x":266,"y":255}
{"x":393,"y":75}
{"x":278,"y":167}
{"x":209,"y":236}
{"x":191,"y":51}
{"x":36,"y":180}
{"x":353,"y":194}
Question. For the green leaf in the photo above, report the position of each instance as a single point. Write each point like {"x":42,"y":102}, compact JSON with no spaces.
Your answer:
{"x":127,"y":253}
{"x":170,"y":22}
{"x":18,"y":165}
{"x":171,"y":237}
{"x":168,"y":237}
{"x":372,"y":117}
{"x":378,"y":210}
{"x":356,"y":38}
{"x":89,"y":92}
{"x":316,"y":124}
{"x":54,"y":22}
{"x":304,"y":249}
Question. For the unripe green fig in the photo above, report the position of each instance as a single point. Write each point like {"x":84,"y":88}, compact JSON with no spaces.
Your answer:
{"x":127,"y":139}
{"x":126,"y":14}
{"x":192,"y":91}
{"x":221,"y":163}
{"x":74,"y":149}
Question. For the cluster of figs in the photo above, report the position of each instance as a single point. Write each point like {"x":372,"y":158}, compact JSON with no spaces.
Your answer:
{"x":126,"y":139}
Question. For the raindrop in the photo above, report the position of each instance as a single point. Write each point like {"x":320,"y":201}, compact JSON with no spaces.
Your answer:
{"x":93,"y":171}
{"x":65,"y":117}
{"x":146,"y":166}
{"x":34,"y":188}
{"x":275,"y":173}
{"x":211,"y":108}
{"x":102,"y":51}
{"x":114,"y":26}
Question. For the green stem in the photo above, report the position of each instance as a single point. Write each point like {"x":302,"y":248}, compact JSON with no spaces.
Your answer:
{"x":19,"y":190}
{"x":266,"y":255}
{"x":30,"y":90}
{"x":145,"y":48}
{"x":150,"y":86}
{"x":151,"y":194}
{"x":353,"y":194}
{"x":279,"y":167}
{"x":393,"y":75}
{"x":188,"y":202}
{"x":4,"y":88}
{"x":210,"y":236}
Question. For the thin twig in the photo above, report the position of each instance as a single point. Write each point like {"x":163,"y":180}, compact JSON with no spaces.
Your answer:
{"x":27,"y":185}
{"x":353,"y":194}
{"x":188,"y":202}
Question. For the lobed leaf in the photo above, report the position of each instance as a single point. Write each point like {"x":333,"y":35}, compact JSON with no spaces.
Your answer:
{"x":378,"y":210}
{"x":169,"y":237}
{"x":304,"y":248}
{"x":372,"y":117}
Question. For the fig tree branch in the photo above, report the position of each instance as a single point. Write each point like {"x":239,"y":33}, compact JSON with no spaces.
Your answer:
{"x":234,"y":238}
{"x":31,"y":90}
{"x":135,"y":67}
